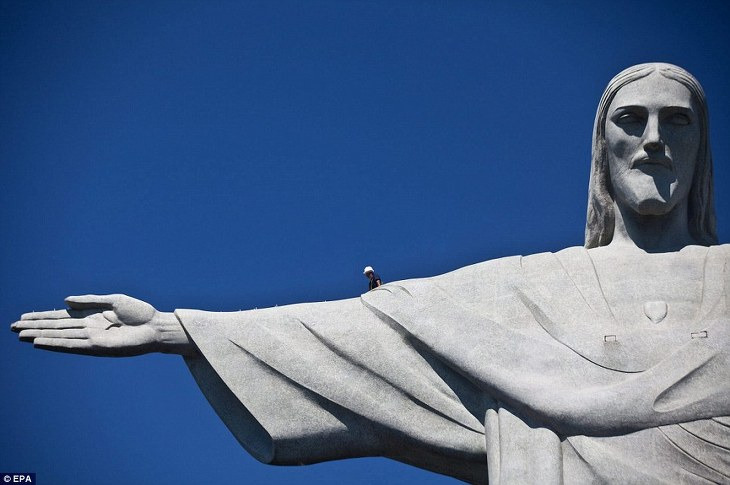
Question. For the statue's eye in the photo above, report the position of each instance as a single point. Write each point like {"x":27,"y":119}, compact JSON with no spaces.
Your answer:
{"x":679,"y":119}
{"x":628,"y":118}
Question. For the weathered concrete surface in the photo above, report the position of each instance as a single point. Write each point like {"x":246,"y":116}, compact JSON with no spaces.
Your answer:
{"x":543,"y":363}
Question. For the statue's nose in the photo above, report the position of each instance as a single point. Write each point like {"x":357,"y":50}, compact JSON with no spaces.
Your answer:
{"x":652,"y":135}
{"x":652,"y":146}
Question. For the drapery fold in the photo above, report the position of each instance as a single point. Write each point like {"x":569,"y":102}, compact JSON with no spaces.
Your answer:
{"x":505,"y":362}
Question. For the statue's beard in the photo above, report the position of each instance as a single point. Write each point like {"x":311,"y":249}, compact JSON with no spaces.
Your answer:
{"x":648,"y":190}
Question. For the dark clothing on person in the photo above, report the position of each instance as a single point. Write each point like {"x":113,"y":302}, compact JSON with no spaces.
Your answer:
{"x":375,"y":281}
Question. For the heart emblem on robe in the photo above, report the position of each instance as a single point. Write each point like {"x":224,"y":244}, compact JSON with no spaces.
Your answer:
{"x":656,"y":311}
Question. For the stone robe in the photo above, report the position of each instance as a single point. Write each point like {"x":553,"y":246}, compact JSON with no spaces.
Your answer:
{"x":514,"y":370}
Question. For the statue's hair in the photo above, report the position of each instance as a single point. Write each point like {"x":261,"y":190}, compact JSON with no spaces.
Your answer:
{"x":600,"y":219}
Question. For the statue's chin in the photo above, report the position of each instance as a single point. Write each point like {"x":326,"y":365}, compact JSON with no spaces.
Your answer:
{"x":649,"y":195}
{"x":654,"y":206}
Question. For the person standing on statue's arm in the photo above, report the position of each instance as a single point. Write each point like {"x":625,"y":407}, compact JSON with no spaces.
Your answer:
{"x":373,"y":277}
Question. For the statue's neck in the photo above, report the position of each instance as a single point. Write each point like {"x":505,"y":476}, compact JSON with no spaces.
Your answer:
{"x":668,"y":232}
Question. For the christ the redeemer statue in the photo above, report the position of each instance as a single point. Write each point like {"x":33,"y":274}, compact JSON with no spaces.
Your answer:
{"x":603,"y":363}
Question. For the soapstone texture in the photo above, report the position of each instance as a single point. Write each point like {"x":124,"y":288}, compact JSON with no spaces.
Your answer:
{"x":505,"y":360}
{"x":608,"y":363}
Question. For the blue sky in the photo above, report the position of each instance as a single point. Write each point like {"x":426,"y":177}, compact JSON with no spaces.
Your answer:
{"x":231,"y":155}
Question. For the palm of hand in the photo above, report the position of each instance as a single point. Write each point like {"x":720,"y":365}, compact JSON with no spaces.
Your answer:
{"x":102,"y":325}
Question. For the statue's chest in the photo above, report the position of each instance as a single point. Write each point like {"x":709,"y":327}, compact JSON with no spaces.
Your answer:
{"x":654,"y":290}
{"x":629,"y":314}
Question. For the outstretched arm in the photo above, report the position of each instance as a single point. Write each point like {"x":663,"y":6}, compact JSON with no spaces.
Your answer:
{"x":105,"y":325}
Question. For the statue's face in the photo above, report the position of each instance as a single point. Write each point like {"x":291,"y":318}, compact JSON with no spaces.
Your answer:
{"x":652,"y":141}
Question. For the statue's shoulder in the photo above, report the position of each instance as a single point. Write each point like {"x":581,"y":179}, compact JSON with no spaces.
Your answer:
{"x":692,"y":251}
{"x":505,"y":270}
{"x":720,"y":252}
{"x":714,"y":253}
{"x":722,"y":248}
{"x":488,"y":287}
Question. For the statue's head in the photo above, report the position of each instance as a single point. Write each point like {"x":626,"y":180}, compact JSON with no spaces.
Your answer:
{"x":651,"y":152}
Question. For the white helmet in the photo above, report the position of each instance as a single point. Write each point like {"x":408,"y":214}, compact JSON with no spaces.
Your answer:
{"x":368,"y":269}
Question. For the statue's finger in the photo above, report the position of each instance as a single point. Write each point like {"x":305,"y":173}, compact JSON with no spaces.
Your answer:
{"x":47,"y":315}
{"x":44,"y":324}
{"x":78,"y":346}
{"x":59,"y":314}
{"x":84,"y":302}
{"x":75,"y":333}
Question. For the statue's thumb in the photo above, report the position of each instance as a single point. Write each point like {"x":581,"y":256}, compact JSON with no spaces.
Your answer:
{"x":85,"y":302}
{"x":133,"y":312}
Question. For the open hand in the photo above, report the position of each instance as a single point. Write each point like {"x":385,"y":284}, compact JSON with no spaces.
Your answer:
{"x":103,"y":325}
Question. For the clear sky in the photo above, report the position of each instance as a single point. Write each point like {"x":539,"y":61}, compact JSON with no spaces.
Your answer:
{"x":231,"y":155}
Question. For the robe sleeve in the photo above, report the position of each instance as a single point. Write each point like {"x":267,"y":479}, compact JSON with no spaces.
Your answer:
{"x":321,"y":381}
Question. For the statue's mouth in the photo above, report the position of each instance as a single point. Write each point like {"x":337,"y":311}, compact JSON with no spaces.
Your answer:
{"x":665,"y":162}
